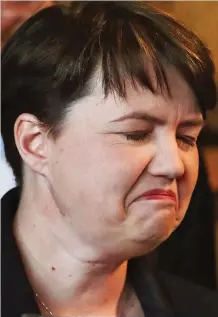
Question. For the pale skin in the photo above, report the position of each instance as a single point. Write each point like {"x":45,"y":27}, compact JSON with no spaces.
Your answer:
{"x":80,"y":219}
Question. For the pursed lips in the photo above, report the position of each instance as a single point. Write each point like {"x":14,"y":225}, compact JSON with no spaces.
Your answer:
{"x":158,"y":194}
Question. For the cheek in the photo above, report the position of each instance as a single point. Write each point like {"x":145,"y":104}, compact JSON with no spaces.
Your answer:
{"x":123,"y":168}
{"x":191,"y":168}
{"x":96,"y":177}
{"x":187,"y":184}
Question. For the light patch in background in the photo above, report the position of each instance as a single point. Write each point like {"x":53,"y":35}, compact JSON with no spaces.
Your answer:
{"x":7,"y":180}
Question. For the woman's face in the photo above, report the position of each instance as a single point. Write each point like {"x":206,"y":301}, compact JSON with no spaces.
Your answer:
{"x":112,"y":152}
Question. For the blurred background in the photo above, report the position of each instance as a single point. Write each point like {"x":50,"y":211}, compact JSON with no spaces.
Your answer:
{"x":192,"y":251}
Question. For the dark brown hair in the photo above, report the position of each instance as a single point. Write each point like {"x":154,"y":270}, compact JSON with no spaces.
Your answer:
{"x":50,"y":60}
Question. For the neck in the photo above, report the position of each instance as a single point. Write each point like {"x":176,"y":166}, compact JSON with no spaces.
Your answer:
{"x":66,"y":283}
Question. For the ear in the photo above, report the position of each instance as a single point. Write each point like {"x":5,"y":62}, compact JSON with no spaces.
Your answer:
{"x":31,"y":141}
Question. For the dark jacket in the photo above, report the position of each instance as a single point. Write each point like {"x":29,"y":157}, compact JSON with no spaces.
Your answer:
{"x":160,"y":294}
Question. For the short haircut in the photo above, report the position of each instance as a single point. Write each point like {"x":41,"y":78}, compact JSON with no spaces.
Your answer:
{"x":50,"y":60}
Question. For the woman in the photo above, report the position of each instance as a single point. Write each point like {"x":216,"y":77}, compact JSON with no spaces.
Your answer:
{"x":102,"y":107}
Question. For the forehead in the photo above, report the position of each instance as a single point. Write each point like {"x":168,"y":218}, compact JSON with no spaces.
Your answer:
{"x":181,"y":101}
{"x":179,"y":105}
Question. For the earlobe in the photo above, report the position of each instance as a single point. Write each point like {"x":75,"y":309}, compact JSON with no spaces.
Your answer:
{"x":31,"y":142}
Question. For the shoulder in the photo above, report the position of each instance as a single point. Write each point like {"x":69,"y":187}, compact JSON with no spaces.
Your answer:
{"x":187,"y":298}
{"x":17,"y":296}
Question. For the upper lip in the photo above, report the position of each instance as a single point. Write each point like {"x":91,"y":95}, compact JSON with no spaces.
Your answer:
{"x":161,"y":192}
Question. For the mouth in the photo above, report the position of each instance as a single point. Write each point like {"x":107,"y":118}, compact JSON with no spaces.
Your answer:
{"x":159,"y":195}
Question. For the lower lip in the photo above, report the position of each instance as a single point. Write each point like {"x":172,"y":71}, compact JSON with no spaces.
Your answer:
{"x":158,"y":197}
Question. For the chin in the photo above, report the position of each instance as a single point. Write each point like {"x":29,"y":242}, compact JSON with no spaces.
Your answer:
{"x":159,"y":228}
{"x":144,"y":243}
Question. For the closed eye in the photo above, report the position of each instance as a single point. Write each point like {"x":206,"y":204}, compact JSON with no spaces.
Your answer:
{"x":137,"y":136}
{"x":186,"y":141}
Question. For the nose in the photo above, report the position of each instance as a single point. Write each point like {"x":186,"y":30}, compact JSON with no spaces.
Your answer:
{"x":167,"y":161}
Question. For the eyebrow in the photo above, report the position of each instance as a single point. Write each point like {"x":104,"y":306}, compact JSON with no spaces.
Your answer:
{"x":154,"y":120}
